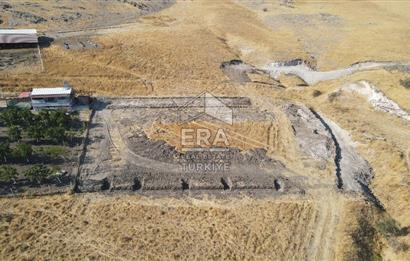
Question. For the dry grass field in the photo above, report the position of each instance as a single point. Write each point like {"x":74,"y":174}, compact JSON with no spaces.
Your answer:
{"x":132,"y":227}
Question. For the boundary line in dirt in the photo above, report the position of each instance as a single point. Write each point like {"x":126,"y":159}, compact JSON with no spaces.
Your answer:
{"x":366,"y":191}
{"x":338,"y":150}
{"x":81,"y":157}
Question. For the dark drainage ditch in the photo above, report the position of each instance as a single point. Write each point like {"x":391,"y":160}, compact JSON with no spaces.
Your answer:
{"x":184,"y":184}
{"x":105,"y":184}
{"x":225,"y":184}
{"x":137,"y":184}
{"x":278,"y":185}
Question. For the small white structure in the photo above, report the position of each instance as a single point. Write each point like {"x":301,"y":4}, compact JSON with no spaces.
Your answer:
{"x":52,"y":98}
{"x":18,"y":36}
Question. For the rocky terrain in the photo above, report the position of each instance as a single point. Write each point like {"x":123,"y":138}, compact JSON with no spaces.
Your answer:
{"x":79,"y":15}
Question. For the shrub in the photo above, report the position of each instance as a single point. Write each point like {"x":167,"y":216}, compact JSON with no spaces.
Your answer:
{"x":4,"y":152}
{"x":54,"y":151}
{"x":38,"y":173}
{"x":36,"y":132}
{"x":56,"y":134}
{"x":10,"y":117}
{"x":316,"y":93}
{"x":26,"y":118}
{"x":364,"y":240}
{"x":7,"y":173}
{"x":23,"y":152}
{"x":388,"y":227}
{"x":405,"y":83}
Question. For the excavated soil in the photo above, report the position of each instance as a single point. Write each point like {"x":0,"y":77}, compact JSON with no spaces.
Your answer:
{"x":128,"y":150}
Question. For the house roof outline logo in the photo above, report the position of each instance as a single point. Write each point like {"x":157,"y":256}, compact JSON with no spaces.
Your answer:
{"x":205,"y":104}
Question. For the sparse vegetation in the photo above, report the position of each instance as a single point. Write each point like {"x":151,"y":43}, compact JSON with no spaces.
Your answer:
{"x":23,"y":152}
{"x":316,"y":93}
{"x":364,"y":241}
{"x":38,"y":173}
{"x":405,"y":83}
{"x":7,"y":173}
{"x":53,"y":151}
{"x":388,"y":227}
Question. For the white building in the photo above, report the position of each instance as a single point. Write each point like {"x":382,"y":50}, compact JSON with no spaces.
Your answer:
{"x":52,"y":98}
{"x":18,"y":36}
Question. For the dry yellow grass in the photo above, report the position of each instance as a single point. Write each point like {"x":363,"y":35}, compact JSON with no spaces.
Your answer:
{"x":135,"y":227}
{"x":381,"y":138}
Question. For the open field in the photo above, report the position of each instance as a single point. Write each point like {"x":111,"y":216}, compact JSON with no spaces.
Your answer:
{"x":132,"y":227}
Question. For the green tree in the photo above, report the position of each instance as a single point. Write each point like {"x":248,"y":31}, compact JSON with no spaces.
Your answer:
{"x":7,"y":173}
{"x":55,"y":118}
{"x":23,"y":151}
{"x":18,"y":117}
{"x":38,"y":173}
{"x":10,"y":117}
{"x":26,"y":118}
{"x":36,"y":131}
{"x":4,"y":152}
{"x":61,"y":119}
{"x":14,"y":133}
{"x":56,"y":134}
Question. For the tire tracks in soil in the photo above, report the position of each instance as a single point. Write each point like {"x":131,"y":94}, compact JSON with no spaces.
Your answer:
{"x":322,"y":245}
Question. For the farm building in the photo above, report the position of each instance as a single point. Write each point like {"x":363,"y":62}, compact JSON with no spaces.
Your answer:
{"x":10,"y":38}
{"x":23,"y":101}
{"x":52,"y":98}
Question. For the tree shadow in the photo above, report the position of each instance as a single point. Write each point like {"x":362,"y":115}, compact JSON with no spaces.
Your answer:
{"x":404,"y":231}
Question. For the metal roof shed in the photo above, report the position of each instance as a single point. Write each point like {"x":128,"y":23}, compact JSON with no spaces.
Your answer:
{"x":18,"y":36}
{"x":51,"y":92}
{"x":60,"y":97}
{"x":24,"y":95}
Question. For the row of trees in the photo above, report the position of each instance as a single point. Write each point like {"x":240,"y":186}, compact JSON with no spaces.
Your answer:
{"x":55,"y":134}
{"x":22,"y":152}
{"x":36,"y":174}
{"x":46,"y":118}
{"x":47,"y":124}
